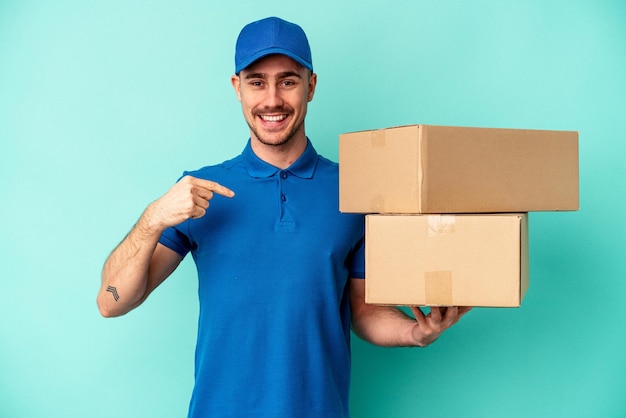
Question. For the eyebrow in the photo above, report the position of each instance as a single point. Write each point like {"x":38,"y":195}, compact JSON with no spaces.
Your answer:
{"x":284,"y":74}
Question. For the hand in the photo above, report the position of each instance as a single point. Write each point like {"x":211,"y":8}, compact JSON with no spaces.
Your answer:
{"x":188,"y":198}
{"x":429,"y":327}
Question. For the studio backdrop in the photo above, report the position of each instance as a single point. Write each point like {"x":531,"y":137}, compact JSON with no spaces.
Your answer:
{"x":103,"y":104}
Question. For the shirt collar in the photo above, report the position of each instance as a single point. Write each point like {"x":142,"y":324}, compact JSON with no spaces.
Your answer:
{"x":303,"y":167}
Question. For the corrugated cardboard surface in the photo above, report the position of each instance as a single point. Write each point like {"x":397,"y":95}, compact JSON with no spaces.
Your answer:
{"x":439,"y":169}
{"x":446,"y":260}
{"x":379,"y":170}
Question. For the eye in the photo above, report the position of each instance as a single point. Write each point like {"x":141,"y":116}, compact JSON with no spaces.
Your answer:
{"x":256,"y":83}
{"x":288,"y":83}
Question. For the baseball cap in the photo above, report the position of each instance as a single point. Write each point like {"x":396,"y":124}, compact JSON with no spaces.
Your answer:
{"x":268,"y":36}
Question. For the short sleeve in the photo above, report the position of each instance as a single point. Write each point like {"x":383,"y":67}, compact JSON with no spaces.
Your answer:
{"x":357,"y":262}
{"x":174,"y":239}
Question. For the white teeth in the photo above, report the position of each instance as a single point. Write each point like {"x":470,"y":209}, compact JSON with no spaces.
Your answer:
{"x":277,"y":118}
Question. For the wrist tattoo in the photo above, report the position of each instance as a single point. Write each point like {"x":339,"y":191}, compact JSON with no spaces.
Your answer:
{"x":113,"y":291}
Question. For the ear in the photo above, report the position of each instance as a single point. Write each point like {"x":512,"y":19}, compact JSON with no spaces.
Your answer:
{"x":236,"y":82}
{"x":312,"y":84}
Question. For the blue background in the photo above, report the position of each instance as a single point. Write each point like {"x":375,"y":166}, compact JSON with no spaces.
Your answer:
{"x":104,"y":103}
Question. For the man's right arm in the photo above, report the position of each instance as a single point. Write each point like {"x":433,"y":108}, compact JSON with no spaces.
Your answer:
{"x":134,"y":269}
{"x":139,"y":263}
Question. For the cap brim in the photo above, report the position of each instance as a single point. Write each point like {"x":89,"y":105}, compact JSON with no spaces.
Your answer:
{"x":271,"y":51}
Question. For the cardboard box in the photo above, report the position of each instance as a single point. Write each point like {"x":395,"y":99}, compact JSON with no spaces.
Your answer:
{"x":446,"y":260}
{"x":438,"y":169}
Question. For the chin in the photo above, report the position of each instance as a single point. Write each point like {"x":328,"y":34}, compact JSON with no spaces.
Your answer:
{"x":275,"y":142}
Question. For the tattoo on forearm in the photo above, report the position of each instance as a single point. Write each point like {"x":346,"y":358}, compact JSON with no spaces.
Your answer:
{"x":113,"y":291}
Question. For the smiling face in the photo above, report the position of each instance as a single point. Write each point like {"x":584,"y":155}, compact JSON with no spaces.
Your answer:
{"x":274,"y":92}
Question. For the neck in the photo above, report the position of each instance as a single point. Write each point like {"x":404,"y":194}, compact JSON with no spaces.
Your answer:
{"x":280,"y":156}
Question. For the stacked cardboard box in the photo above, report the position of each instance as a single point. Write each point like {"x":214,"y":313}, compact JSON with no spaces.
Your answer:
{"x":448,"y":207}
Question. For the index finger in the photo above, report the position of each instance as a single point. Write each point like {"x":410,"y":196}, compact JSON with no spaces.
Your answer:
{"x":215,"y":187}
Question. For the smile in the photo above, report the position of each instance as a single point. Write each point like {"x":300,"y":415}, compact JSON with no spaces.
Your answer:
{"x":273,"y":118}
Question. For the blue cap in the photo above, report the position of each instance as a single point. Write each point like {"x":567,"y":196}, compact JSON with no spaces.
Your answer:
{"x":268,"y":36}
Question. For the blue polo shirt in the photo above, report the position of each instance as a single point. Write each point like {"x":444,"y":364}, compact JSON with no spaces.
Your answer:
{"x":273,"y":266}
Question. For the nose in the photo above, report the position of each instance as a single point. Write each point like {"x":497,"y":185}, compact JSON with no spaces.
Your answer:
{"x":273,"y":97}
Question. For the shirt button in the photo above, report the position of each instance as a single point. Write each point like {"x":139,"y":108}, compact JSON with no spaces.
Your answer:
{"x":283,"y":197}
{"x":283,"y":175}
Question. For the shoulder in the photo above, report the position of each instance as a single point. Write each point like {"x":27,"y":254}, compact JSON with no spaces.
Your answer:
{"x":325,"y":161}
{"x":327,"y":166}
{"x":210,"y":171}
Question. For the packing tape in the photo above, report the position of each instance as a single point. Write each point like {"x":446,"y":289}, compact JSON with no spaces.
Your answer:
{"x":438,"y":288}
{"x":377,"y":138}
{"x":440,"y":224}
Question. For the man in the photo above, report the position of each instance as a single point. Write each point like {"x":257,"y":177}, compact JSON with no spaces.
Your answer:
{"x":280,"y":270}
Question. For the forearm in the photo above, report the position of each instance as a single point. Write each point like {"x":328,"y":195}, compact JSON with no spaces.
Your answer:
{"x":139,"y":264}
{"x":390,"y":327}
{"x":385,"y":326}
{"x":126,"y":271}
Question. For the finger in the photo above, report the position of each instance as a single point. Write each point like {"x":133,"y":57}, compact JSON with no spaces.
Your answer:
{"x":202,"y":201}
{"x":435,"y":314}
{"x":215,"y":188}
{"x":456,"y":312}
{"x":418,"y":314}
{"x":198,"y":212}
{"x":463,"y":310}
{"x":450,"y":314}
